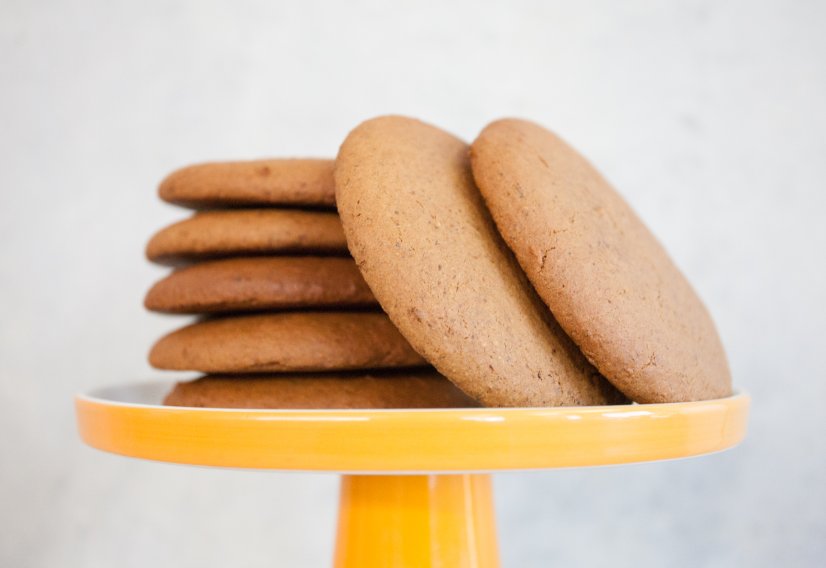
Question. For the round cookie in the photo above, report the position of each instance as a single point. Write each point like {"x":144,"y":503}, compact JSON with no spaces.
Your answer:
{"x":416,"y":225}
{"x":255,"y":182}
{"x":405,"y":389}
{"x":605,"y":277}
{"x":213,"y":234}
{"x":296,"y":341}
{"x":261,"y":283}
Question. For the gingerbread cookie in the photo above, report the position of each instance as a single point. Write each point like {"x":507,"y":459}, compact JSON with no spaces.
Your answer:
{"x":605,"y":277}
{"x":263,"y":283}
{"x":403,"y":389}
{"x":213,"y":234}
{"x":293,"y":341}
{"x":424,"y":242}
{"x":257,"y":182}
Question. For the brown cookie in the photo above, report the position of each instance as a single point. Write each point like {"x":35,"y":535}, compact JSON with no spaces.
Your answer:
{"x":255,"y":182}
{"x":419,"y":231}
{"x":261,"y":283}
{"x":212,"y":234}
{"x":403,"y":389}
{"x":293,"y":341}
{"x":604,"y":276}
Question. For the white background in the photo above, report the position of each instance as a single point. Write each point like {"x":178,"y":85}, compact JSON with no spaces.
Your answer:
{"x":708,"y":116}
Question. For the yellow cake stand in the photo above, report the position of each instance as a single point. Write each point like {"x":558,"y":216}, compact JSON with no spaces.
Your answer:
{"x":415,"y":489}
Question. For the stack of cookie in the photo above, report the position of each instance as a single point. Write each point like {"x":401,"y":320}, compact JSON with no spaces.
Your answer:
{"x":288,"y":321}
{"x":509,"y":264}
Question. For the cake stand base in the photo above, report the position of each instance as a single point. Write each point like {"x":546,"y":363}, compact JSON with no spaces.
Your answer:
{"x":426,"y":521}
{"x":415,"y":490}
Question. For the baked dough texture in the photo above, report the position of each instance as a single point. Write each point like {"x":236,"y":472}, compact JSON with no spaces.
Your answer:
{"x":603,"y":274}
{"x":419,"y":231}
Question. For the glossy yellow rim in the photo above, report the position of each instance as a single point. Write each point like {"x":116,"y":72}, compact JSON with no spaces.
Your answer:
{"x":410,"y":441}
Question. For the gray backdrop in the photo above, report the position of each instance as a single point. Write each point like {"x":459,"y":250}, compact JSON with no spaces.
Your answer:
{"x":708,"y":116}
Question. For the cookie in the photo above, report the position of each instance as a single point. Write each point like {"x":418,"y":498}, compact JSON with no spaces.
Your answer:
{"x":213,"y":234}
{"x":256,"y":182}
{"x":418,"y":229}
{"x":605,"y":277}
{"x":405,"y":389}
{"x":262,"y":283}
{"x":293,"y":341}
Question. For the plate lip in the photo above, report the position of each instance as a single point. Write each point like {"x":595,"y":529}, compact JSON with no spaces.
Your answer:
{"x":94,"y":396}
{"x":131,"y":429}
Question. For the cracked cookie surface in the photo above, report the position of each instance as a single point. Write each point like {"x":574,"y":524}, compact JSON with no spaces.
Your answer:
{"x":417,"y":227}
{"x":603,"y":274}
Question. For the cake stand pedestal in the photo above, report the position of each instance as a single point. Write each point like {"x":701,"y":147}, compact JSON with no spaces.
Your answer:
{"x":415,"y":489}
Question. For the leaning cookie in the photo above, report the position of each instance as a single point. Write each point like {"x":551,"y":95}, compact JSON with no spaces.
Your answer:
{"x":294,"y":182}
{"x":291,"y":341}
{"x":605,"y":277}
{"x":261,"y":283}
{"x":423,"y":388}
{"x":426,"y":246}
{"x":215,"y":234}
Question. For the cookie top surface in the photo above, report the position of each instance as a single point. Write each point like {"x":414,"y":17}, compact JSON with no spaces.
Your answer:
{"x":261,"y":283}
{"x":416,"y":225}
{"x":416,"y":388}
{"x":293,"y":341}
{"x":295,"y":182}
{"x":214,"y":234}
{"x":603,"y":274}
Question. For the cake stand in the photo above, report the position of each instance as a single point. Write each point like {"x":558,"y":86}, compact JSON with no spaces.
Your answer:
{"x":415,"y":485}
